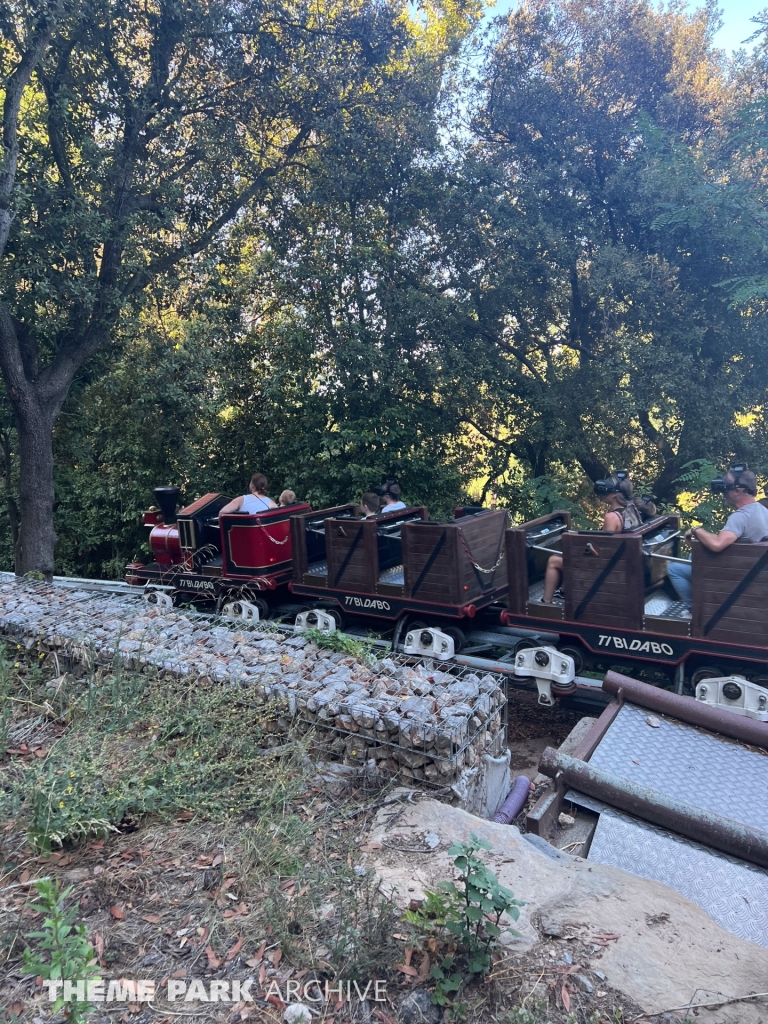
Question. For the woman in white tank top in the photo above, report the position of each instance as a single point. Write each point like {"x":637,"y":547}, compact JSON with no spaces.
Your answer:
{"x":256,"y":501}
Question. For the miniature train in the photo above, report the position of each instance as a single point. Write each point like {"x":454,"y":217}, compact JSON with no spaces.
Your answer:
{"x":473,"y":573}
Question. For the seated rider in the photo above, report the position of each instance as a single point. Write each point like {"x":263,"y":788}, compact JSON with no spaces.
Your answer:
{"x":256,"y":501}
{"x":391,"y":494}
{"x":624,"y":513}
{"x":287,"y":498}
{"x":369,"y":505}
{"x":747,"y":525}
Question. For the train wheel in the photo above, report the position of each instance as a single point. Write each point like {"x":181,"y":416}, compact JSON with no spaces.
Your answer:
{"x":706,"y":672}
{"x":456,"y":634}
{"x":525,"y":645}
{"x":338,"y":616}
{"x":578,"y":657}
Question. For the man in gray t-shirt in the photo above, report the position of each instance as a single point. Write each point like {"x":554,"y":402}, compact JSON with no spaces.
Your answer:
{"x":747,"y":525}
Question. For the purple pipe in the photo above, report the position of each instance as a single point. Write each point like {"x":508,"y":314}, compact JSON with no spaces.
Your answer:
{"x":515,"y":801}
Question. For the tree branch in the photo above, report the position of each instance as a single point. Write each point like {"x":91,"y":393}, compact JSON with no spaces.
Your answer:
{"x":14,"y":91}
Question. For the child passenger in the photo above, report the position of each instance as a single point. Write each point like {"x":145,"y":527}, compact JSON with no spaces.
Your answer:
{"x":287,"y":498}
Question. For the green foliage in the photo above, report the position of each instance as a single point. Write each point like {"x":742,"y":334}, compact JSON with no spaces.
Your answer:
{"x":69,"y":954}
{"x":468,"y":911}
{"x":137,"y":745}
{"x":702,"y":507}
{"x":342,"y":642}
{"x":537,"y":496}
{"x":503,"y":290}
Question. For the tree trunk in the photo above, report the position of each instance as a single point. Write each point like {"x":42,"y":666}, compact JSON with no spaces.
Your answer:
{"x":37,"y":539}
{"x":10,"y":497}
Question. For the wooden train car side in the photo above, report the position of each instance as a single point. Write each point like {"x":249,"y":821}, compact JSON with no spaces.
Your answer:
{"x":400,"y":562}
{"x":618,"y":602}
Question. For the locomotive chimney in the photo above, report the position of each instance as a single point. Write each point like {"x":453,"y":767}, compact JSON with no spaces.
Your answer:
{"x":167,"y":498}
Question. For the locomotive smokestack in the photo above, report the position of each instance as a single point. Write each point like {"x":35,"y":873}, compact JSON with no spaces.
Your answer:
{"x":167,"y":498}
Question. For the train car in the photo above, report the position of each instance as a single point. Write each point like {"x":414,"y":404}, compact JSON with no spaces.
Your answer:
{"x":620,"y":607}
{"x":400,"y":564}
{"x":233,"y":559}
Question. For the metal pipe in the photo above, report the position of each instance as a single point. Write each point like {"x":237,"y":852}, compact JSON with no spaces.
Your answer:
{"x":515,"y":801}
{"x":661,"y":540}
{"x":534,"y":634}
{"x":667,"y":558}
{"x":687,"y":709}
{"x":715,"y":830}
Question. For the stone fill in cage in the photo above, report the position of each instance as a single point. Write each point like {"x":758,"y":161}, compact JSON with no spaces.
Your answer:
{"x":416,"y":718}
{"x":427,"y":721}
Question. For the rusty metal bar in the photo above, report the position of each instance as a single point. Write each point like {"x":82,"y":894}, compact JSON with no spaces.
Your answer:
{"x":702,"y":826}
{"x":597,"y":730}
{"x":688,"y":709}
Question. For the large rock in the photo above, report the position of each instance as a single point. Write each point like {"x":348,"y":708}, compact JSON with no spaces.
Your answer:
{"x":668,"y":949}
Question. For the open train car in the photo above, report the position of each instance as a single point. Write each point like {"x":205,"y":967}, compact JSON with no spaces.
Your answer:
{"x":620,"y":606}
{"x":199,"y":553}
{"x":400,"y":563}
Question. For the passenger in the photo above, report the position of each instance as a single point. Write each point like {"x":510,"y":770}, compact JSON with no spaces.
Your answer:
{"x":287,"y":498}
{"x":391,"y":496}
{"x":369,"y":505}
{"x":624,"y":513}
{"x":256,"y":501}
{"x":747,"y":525}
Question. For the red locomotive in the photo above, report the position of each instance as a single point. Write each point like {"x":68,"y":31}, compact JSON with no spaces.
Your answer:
{"x":236,"y":558}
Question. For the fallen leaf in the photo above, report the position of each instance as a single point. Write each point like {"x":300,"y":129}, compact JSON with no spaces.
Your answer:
{"x":184,"y":816}
{"x":383,"y":1017}
{"x":181,"y":973}
{"x":241,"y":909}
{"x":232,"y":953}
{"x":276,"y":957}
{"x":228,"y":914}
{"x":262,"y":975}
{"x":276,"y":1002}
{"x":408,"y":955}
{"x":133,"y":1007}
{"x":260,"y":951}
{"x":213,"y":961}
{"x":565,"y":997}
{"x":410,"y":971}
{"x":218,"y":859}
{"x":16,"y":1009}
{"x":98,"y":943}
{"x":117,"y":913}
{"x":40,"y":752}
{"x":424,"y":967}
{"x":24,"y":876}
{"x":151,"y":918}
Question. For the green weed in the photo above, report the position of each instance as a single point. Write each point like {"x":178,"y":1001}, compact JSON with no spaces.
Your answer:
{"x":469,"y":911}
{"x":342,"y":643}
{"x":68,"y":952}
{"x":138,"y":745}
